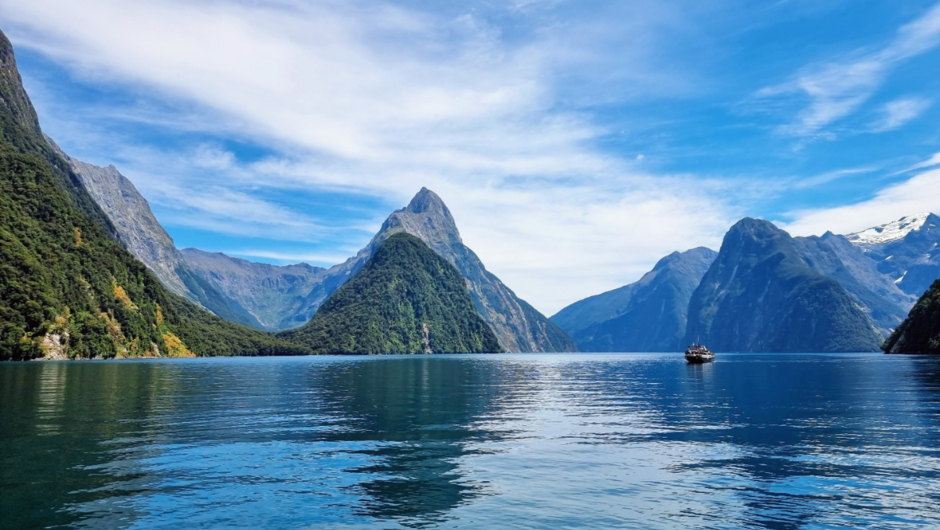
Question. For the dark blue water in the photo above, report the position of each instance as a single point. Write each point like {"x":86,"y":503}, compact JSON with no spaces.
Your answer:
{"x":553,"y":441}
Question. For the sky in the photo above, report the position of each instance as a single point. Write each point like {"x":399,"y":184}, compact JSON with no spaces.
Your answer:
{"x":575,"y":142}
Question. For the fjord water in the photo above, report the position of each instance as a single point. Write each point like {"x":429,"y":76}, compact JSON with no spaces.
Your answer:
{"x":528,"y":441}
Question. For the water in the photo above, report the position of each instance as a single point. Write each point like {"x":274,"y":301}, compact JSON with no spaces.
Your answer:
{"x":527,"y":441}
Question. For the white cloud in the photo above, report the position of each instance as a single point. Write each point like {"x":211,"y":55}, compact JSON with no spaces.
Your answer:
{"x":900,"y":111}
{"x":837,"y":89}
{"x":918,"y":194}
{"x":930,"y":162}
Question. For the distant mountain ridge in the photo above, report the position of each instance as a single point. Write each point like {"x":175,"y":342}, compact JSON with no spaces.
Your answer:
{"x":875,"y":293}
{"x":272,"y":298}
{"x":907,"y":251}
{"x":648,"y":315}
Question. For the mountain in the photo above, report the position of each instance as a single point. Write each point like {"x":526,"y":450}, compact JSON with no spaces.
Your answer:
{"x":920,"y":332}
{"x":907,"y":250}
{"x":140,"y":232}
{"x":760,"y":296}
{"x":270,"y":297}
{"x":405,"y":299}
{"x":274,"y":295}
{"x":648,"y":315}
{"x":518,"y":326}
{"x":68,"y":288}
{"x":836,"y":257}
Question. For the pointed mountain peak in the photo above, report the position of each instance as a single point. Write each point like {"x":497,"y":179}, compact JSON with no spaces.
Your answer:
{"x":426,"y":201}
{"x":427,"y":218}
{"x":894,"y":230}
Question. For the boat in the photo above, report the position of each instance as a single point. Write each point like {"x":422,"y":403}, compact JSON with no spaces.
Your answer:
{"x":698,"y":354}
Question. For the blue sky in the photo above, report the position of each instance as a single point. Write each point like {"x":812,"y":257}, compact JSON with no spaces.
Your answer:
{"x":576,"y":143}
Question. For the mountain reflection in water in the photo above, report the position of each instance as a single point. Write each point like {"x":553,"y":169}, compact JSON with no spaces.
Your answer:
{"x":532,"y":441}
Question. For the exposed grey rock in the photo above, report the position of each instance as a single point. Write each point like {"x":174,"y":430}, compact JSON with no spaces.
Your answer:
{"x":139,"y":231}
{"x":130,"y":213}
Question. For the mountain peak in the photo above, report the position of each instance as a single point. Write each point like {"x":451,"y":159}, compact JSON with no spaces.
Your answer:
{"x":750,"y":228}
{"x":892,"y":231}
{"x":425,"y":201}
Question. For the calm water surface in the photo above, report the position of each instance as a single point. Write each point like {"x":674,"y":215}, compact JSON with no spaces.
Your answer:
{"x":528,"y":441}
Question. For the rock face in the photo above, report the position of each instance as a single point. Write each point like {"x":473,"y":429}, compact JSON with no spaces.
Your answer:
{"x":760,"y":296}
{"x":274,"y":296}
{"x":836,"y":257}
{"x":130,"y":213}
{"x":907,"y":250}
{"x":648,"y":315}
{"x":920,"y":332}
{"x":139,"y":231}
{"x":405,"y":299}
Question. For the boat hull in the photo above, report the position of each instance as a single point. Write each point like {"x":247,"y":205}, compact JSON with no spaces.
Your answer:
{"x":699,"y":359}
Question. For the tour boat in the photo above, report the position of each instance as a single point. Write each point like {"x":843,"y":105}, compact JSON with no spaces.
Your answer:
{"x":697,"y":354}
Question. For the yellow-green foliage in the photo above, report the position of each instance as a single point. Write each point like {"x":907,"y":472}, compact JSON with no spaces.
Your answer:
{"x":175,"y":347}
{"x":121,"y":295}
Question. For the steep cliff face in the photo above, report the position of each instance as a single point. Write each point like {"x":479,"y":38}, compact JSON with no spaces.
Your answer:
{"x":405,"y":299}
{"x":648,"y":315}
{"x":920,"y":332}
{"x":130,"y":213}
{"x":139,"y":231}
{"x":760,"y":296}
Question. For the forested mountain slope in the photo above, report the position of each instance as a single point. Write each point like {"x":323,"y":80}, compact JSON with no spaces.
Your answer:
{"x":405,"y":299}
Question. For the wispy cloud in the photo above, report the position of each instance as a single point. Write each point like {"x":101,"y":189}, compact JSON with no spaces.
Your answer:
{"x":290,"y":257}
{"x":836,"y":89}
{"x":920,"y":193}
{"x":900,"y":111}
{"x":930,"y":162}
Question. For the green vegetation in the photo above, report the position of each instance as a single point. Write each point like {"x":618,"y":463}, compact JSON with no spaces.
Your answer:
{"x":406,"y":299}
{"x":920,"y":333}
{"x":66,"y":286}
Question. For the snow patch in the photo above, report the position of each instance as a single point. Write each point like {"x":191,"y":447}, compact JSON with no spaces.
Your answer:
{"x":892,"y":231}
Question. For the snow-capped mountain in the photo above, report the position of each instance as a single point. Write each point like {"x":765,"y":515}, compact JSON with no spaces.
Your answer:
{"x":907,"y":250}
{"x":889,"y":232}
